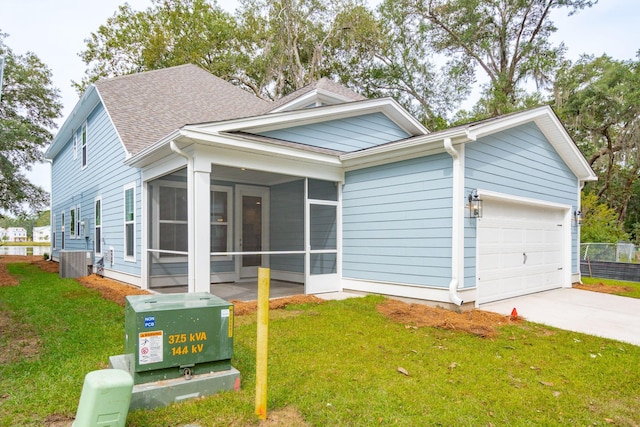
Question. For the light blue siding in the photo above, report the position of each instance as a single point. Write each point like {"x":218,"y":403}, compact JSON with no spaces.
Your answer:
{"x":519,"y":162}
{"x":106,"y":176}
{"x":397,"y":222}
{"x":287,"y":225}
{"x":348,"y":134}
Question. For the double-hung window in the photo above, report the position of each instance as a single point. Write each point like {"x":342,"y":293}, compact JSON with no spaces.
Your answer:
{"x":75,"y":144}
{"x":72,"y":223}
{"x":84,"y":145}
{"x":129,"y":222}
{"x":79,"y":227}
{"x":62,"y":230}
{"x":97,"y":221}
{"x":53,"y":231}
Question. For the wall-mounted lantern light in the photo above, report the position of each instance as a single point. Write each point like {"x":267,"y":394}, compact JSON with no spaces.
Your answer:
{"x":475,"y":205}
{"x":577,"y":215}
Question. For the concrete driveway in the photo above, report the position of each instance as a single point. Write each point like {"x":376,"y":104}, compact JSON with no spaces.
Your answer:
{"x":593,"y":313}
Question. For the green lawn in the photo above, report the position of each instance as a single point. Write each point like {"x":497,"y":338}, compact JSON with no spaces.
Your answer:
{"x":335,"y":364}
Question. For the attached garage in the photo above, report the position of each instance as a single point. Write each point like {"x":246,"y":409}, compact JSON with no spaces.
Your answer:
{"x":523,"y":248}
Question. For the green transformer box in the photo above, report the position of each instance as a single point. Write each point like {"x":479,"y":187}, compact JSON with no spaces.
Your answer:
{"x":169,"y":336}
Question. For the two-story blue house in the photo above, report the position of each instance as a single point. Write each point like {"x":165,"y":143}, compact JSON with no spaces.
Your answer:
{"x":175,"y":177}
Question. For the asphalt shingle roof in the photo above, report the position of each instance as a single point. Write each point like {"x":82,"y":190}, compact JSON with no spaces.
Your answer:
{"x":147,"y":106}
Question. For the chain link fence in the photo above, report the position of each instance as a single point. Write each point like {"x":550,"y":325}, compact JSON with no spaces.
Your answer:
{"x":610,"y":252}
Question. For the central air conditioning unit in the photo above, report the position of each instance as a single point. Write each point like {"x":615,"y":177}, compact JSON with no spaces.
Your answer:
{"x":75,"y":264}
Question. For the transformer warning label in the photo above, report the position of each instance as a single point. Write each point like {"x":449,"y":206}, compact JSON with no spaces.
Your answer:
{"x":150,"y":347}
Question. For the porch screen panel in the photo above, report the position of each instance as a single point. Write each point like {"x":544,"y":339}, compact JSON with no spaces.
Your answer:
{"x":251,"y":230}
{"x":323,"y":227}
{"x":324,"y":263}
{"x":219,"y":221}
{"x":172,"y":212}
{"x":323,"y":237}
{"x":323,"y":190}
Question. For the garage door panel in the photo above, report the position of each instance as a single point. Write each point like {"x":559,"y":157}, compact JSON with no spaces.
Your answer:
{"x":520,"y":250}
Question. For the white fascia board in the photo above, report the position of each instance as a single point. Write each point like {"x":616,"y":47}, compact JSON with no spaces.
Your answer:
{"x":237,"y":142}
{"x":192,"y":134}
{"x":494,"y":195}
{"x":87,"y":102}
{"x":274,"y":121}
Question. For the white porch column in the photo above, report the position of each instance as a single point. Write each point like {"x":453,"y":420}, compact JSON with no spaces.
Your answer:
{"x":200,"y":226}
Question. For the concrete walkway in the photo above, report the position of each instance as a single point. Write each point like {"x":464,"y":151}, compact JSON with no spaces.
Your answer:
{"x":593,"y":313}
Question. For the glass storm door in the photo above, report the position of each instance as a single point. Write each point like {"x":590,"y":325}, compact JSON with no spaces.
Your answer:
{"x":252,"y":206}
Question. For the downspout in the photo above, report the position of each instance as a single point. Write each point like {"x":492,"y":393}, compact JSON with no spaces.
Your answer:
{"x":457,"y":223}
{"x":191,"y":278}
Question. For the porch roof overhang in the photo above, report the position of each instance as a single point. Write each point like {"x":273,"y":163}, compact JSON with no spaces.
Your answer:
{"x":244,"y":150}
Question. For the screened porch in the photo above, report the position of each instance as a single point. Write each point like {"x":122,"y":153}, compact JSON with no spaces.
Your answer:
{"x":251,"y":219}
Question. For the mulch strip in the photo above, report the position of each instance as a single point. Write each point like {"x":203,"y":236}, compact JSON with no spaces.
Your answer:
{"x":602,"y":288}
{"x":476,"y":322}
{"x":241,"y":308}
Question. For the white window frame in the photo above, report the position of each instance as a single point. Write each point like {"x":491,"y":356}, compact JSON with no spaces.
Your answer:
{"x":155,"y":205}
{"x":72,"y":222}
{"x":132,"y":187}
{"x":79,"y":235}
{"x":53,"y":231}
{"x":62,"y":242}
{"x":97,"y":241}
{"x":84,"y":143}
{"x":75,"y":145}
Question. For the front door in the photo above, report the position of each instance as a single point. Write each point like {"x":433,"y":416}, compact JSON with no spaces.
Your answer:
{"x":252,"y":230}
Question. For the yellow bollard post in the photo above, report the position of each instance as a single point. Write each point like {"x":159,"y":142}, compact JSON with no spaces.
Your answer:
{"x":262,"y":342}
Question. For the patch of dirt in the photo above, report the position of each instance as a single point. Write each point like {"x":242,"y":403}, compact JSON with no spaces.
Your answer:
{"x":285,"y":417}
{"x":111,"y":289}
{"x":241,"y":308}
{"x":48,"y":266}
{"x":601,"y":287}
{"x":7,"y":279}
{"x":57,"y":420}
{"x":476,"y":322}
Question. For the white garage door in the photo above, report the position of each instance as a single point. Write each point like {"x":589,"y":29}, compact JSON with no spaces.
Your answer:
{"x":520,"y":250}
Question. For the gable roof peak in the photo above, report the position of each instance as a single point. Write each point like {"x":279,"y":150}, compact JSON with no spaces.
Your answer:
{"x":323,"y":90}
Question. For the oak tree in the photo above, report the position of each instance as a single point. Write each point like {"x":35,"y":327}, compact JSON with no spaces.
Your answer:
{"x":29,"y":106}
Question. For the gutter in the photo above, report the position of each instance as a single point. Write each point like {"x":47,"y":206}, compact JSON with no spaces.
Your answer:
{"x":457,"y":249}
{"x":191,"y":277}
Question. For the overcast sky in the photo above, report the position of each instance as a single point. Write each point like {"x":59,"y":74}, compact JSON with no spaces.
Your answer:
{"x":55,"y":31}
